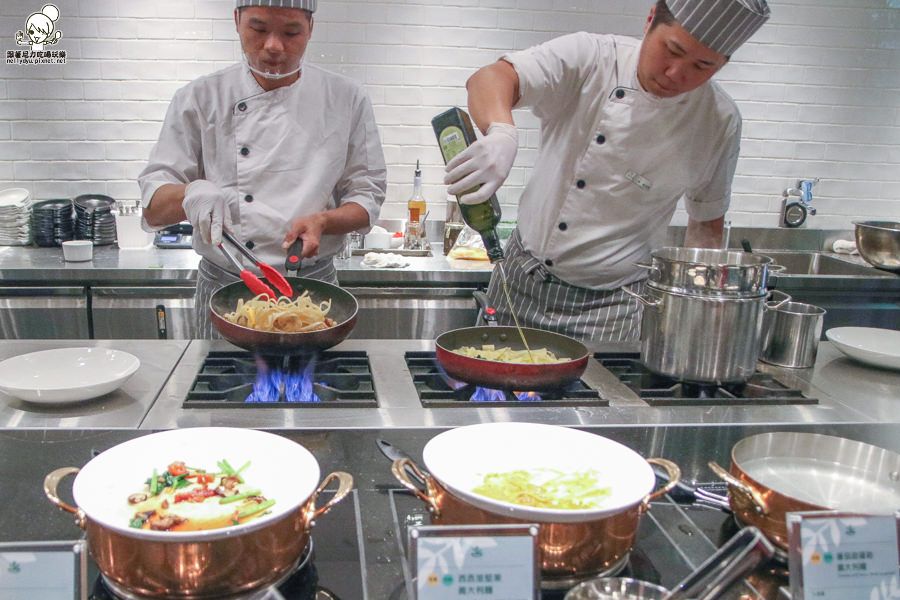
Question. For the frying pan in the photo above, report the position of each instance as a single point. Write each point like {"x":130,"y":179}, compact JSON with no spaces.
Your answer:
{"x":496,"y":374}
{"x":780,"y":472}
{"x":343,"y":310}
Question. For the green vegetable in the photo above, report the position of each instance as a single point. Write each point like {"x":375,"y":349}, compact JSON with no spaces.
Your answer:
{"x":255,"y":509}
{"x":236,"y":497}
{"x":154,"y":483}
{"x":137,"y":522}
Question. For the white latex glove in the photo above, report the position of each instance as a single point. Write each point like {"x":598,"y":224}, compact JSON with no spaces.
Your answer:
{"x":487,"y":162}
{"x":204,"y":205}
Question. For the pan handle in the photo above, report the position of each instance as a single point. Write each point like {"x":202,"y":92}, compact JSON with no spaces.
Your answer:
{"x":673,"y":472}
{"x":641,"y":299}
{"x":399,"y":469}
{"x":345,"y":484}
{"x":51,"y":483}
{"x":759,"y":503}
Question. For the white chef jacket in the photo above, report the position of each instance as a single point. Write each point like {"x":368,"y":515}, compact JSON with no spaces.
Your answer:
{"x":614,"y":159}
{"x":278,"y":155}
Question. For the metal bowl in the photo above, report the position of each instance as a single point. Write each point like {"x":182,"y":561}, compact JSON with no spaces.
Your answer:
{"x":878,"y":243}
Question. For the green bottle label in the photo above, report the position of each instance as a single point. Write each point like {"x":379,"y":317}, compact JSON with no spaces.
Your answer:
{"x":452,"y":142}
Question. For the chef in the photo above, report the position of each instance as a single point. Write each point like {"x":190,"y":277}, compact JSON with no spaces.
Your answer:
{"x":628,"y":128}
{"x":271,"y":149}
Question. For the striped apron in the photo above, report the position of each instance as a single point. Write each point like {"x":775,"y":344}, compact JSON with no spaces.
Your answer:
{"x":543,"y":301}
{"x":211,"y":277}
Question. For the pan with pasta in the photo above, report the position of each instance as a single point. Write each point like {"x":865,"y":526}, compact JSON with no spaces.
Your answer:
{"x":318,"y":316}
{"x":496,"y":358}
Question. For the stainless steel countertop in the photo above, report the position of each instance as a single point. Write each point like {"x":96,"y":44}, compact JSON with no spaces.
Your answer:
{"x":45,"y":266}
{"x":125,"y":407}
{"x":848,"y":392}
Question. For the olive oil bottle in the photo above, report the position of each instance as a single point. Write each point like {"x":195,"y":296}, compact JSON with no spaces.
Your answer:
{"x":454,"y":134}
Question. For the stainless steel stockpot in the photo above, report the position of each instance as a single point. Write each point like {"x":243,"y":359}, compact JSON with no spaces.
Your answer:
{"x":709,"y":272}
{"x":708,"y":339}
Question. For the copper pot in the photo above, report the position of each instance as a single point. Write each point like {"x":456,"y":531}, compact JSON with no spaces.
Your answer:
{"x":573,"y":544}
{"x":775,"y":473}
{"x":216,"y":563}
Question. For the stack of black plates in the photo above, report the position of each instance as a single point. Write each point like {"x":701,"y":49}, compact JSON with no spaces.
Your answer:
{"x":52,"y":222}
{"x":94,"y":219}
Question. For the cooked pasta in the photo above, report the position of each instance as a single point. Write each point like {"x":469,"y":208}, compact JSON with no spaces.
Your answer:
{"x":545,"y":488}
{"x":283,"y":315}
{"x":537,"y":356}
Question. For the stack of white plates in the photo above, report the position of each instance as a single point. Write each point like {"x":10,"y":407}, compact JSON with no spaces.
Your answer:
{"x":15,"y":217}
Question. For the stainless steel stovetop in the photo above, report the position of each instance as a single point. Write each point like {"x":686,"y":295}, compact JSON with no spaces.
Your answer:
{"x":399,"y":389}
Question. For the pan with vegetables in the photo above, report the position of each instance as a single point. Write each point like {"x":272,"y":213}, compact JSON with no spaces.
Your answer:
{"x":172,"y":515}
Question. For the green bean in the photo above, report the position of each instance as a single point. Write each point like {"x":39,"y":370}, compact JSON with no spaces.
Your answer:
{"x":255,"y":509}
{"x":236,"y":497}
{"x":154,"y":483}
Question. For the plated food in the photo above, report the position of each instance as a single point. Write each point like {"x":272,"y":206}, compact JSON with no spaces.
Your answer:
{"x":183,"y":498}
{"x":282,"y":315}
{"x":546,"y":488}
{"x":535,"y":356}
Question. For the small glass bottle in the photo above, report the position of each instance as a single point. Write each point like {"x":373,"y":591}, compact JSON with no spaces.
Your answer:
{"x":416,"y":210}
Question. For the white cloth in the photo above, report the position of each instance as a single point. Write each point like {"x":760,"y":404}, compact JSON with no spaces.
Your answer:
{"x":845,"y":247}
{"x":636,"y":155}
{"x":385,"y":260}
{"x":277,"y":155}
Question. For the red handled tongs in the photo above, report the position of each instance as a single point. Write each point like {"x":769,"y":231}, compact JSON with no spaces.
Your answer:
{"x":253,"y":282}
{"x":275,"y":278}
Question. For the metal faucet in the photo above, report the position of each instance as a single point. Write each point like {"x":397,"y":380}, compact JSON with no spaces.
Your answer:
{"x":804,"y":192}
{"x":794,"y":212}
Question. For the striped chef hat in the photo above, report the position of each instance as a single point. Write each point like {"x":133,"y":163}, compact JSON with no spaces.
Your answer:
{"x":309,"y":5}
{"x":723,"y":25}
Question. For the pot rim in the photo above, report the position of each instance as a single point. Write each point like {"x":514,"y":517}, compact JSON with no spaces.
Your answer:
{"x":102,"y":497}
{"x":459,"y":458}
{"x":743,"y":259}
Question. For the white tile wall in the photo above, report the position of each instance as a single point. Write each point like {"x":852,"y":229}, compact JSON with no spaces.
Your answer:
{"x":819,"y":88}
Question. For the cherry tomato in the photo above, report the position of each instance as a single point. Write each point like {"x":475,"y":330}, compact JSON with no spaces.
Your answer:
{"x":177,"y":468}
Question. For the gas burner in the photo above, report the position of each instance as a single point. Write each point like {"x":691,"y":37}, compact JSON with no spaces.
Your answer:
{"x":247,"y":380}
{"x":658,"y":390}
{"x":437,"y":390}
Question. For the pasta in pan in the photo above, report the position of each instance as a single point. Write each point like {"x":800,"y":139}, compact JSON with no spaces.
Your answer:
{"x":537,"y":356}
{"x":283,"y":315}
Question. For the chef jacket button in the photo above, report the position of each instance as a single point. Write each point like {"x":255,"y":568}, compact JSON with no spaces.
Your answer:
{"x":548,"y":262}
{"x":250,"y":244}
{"x":580,"y":183}
{"x":620,"y":93}
{"x":601,"y":138}
{"x":242,"y":106}
{"x":563,"y":226}
{"x":245,"y":151}
{"x":248,"y":198}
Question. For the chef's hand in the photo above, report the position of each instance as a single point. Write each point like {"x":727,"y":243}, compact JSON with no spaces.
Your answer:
{"x":205,"y":207}
{"x":309,"y":228}
{"x":487,"y":162}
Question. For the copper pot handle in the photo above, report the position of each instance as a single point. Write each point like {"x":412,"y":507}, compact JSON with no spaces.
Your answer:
{"x":759,"y":503}
{"x":673,"y":472}
{"x":345,"y":484}
{"x":51,"y":482}
{"x":399,"y":467}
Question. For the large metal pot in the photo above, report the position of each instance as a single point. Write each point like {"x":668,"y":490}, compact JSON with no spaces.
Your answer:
{"x":698,"y":338}
{"x":709,"y":272}
{"x":775,"y":473}
{"x":573,"y":544}
{"x":216,"y":563}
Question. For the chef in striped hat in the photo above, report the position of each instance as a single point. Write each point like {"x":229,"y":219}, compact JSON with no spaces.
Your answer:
{"x":629,"y":128}
{"x":272,"y":149}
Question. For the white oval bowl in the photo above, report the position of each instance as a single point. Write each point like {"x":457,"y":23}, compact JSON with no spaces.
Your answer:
{"x":66,"y":374}
{"x":871,"y":345}
{"x":281,"y":469}
{"x":460,"y":458}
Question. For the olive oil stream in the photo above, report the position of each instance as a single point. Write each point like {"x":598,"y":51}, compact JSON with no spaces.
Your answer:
{"x":512,"y":310}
